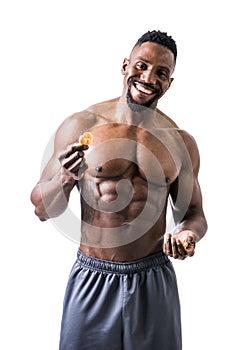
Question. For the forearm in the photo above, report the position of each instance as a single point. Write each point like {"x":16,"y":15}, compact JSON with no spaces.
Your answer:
{"x":51,"y":198}
{"x":197,"y":225}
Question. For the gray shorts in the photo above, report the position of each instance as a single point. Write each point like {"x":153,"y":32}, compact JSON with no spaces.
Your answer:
{"x":121,"y":306}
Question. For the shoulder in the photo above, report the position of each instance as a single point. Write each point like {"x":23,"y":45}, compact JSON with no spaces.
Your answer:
{"x":188,"y":139}
{"x":73,"y":126}
{"x":190,"y":147}
{"x":105,"y":111}
{"x":78,"y":123}
{"x":167,"y":120}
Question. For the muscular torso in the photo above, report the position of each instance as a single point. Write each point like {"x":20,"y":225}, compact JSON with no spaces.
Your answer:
{"x":125,"y":189}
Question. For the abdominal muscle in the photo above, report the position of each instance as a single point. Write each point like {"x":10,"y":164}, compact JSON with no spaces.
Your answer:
{"x":123,"y":218}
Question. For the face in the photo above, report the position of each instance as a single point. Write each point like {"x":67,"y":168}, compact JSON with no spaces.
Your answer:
{"x":147,"y":75}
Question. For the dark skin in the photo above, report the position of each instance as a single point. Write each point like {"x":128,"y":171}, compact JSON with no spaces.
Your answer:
{"x":137,"y":162}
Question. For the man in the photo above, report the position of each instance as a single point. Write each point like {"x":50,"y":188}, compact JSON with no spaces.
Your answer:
{"x":122,"y":291}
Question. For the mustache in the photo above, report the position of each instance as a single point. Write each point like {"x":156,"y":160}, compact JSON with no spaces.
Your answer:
{"x":133,"y":80}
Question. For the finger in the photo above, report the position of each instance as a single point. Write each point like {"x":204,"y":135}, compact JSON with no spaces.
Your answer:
{"x":191,"y":240}
{"x":191,"y":249}
{"x":72,"y":149}
{"x":78,"y":167}
{"x":175,"y":252}
{"x":77,"y":147}
{"x":178,"y":250}
{"x":73,"y":158}
{"x":76,"y":170}
{"x":168,"y":245}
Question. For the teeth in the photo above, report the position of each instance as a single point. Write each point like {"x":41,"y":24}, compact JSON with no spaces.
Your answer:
{"x":143,"y":89}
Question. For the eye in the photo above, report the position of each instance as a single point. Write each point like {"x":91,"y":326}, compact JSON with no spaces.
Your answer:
{"x":163,"y":75}
{"x":141,"y":66}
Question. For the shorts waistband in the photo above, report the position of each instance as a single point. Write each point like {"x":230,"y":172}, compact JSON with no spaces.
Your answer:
{"x":154,"y":260}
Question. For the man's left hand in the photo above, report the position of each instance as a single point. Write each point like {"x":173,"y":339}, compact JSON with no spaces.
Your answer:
{"x":180,"y":245}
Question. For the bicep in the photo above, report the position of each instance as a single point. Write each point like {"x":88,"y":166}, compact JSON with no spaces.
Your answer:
{"x":185,"y":193}
{"x":66,"y":134}
{"x":185,"y":198}
{"x":59,"y":145}
{"x":51,"y":169}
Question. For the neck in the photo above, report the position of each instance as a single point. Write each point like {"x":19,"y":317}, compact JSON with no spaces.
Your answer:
{"x":125,"y":114}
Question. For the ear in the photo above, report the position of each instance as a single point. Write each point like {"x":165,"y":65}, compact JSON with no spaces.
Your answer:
{"x":171,"y":80}
{"x":124,"y":65}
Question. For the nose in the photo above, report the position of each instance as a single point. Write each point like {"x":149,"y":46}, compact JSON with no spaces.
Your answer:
{"x":149,"y":77}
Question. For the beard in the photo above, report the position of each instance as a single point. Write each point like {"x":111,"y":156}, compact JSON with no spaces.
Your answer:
{"x":133,"y":105}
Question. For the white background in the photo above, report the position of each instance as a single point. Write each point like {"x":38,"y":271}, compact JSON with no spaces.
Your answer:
{"x":59,"y":57}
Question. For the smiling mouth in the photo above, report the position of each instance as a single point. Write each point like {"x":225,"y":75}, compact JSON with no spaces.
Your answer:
{"x":143,"y":96}
{"x":142,"y":88}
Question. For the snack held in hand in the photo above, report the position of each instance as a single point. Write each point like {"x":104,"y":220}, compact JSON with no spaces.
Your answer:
{"x":86,"y":138}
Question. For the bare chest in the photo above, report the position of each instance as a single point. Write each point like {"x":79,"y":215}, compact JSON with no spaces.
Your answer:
{"x":123,"y":151}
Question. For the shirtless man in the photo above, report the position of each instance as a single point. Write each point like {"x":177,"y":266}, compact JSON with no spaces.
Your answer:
{"x":122,"y":291}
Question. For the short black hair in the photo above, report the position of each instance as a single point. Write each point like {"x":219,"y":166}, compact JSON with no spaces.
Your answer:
{"x":158,"y":37}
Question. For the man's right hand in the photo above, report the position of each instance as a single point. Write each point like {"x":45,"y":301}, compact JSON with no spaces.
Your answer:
{"x":72,"y":160}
